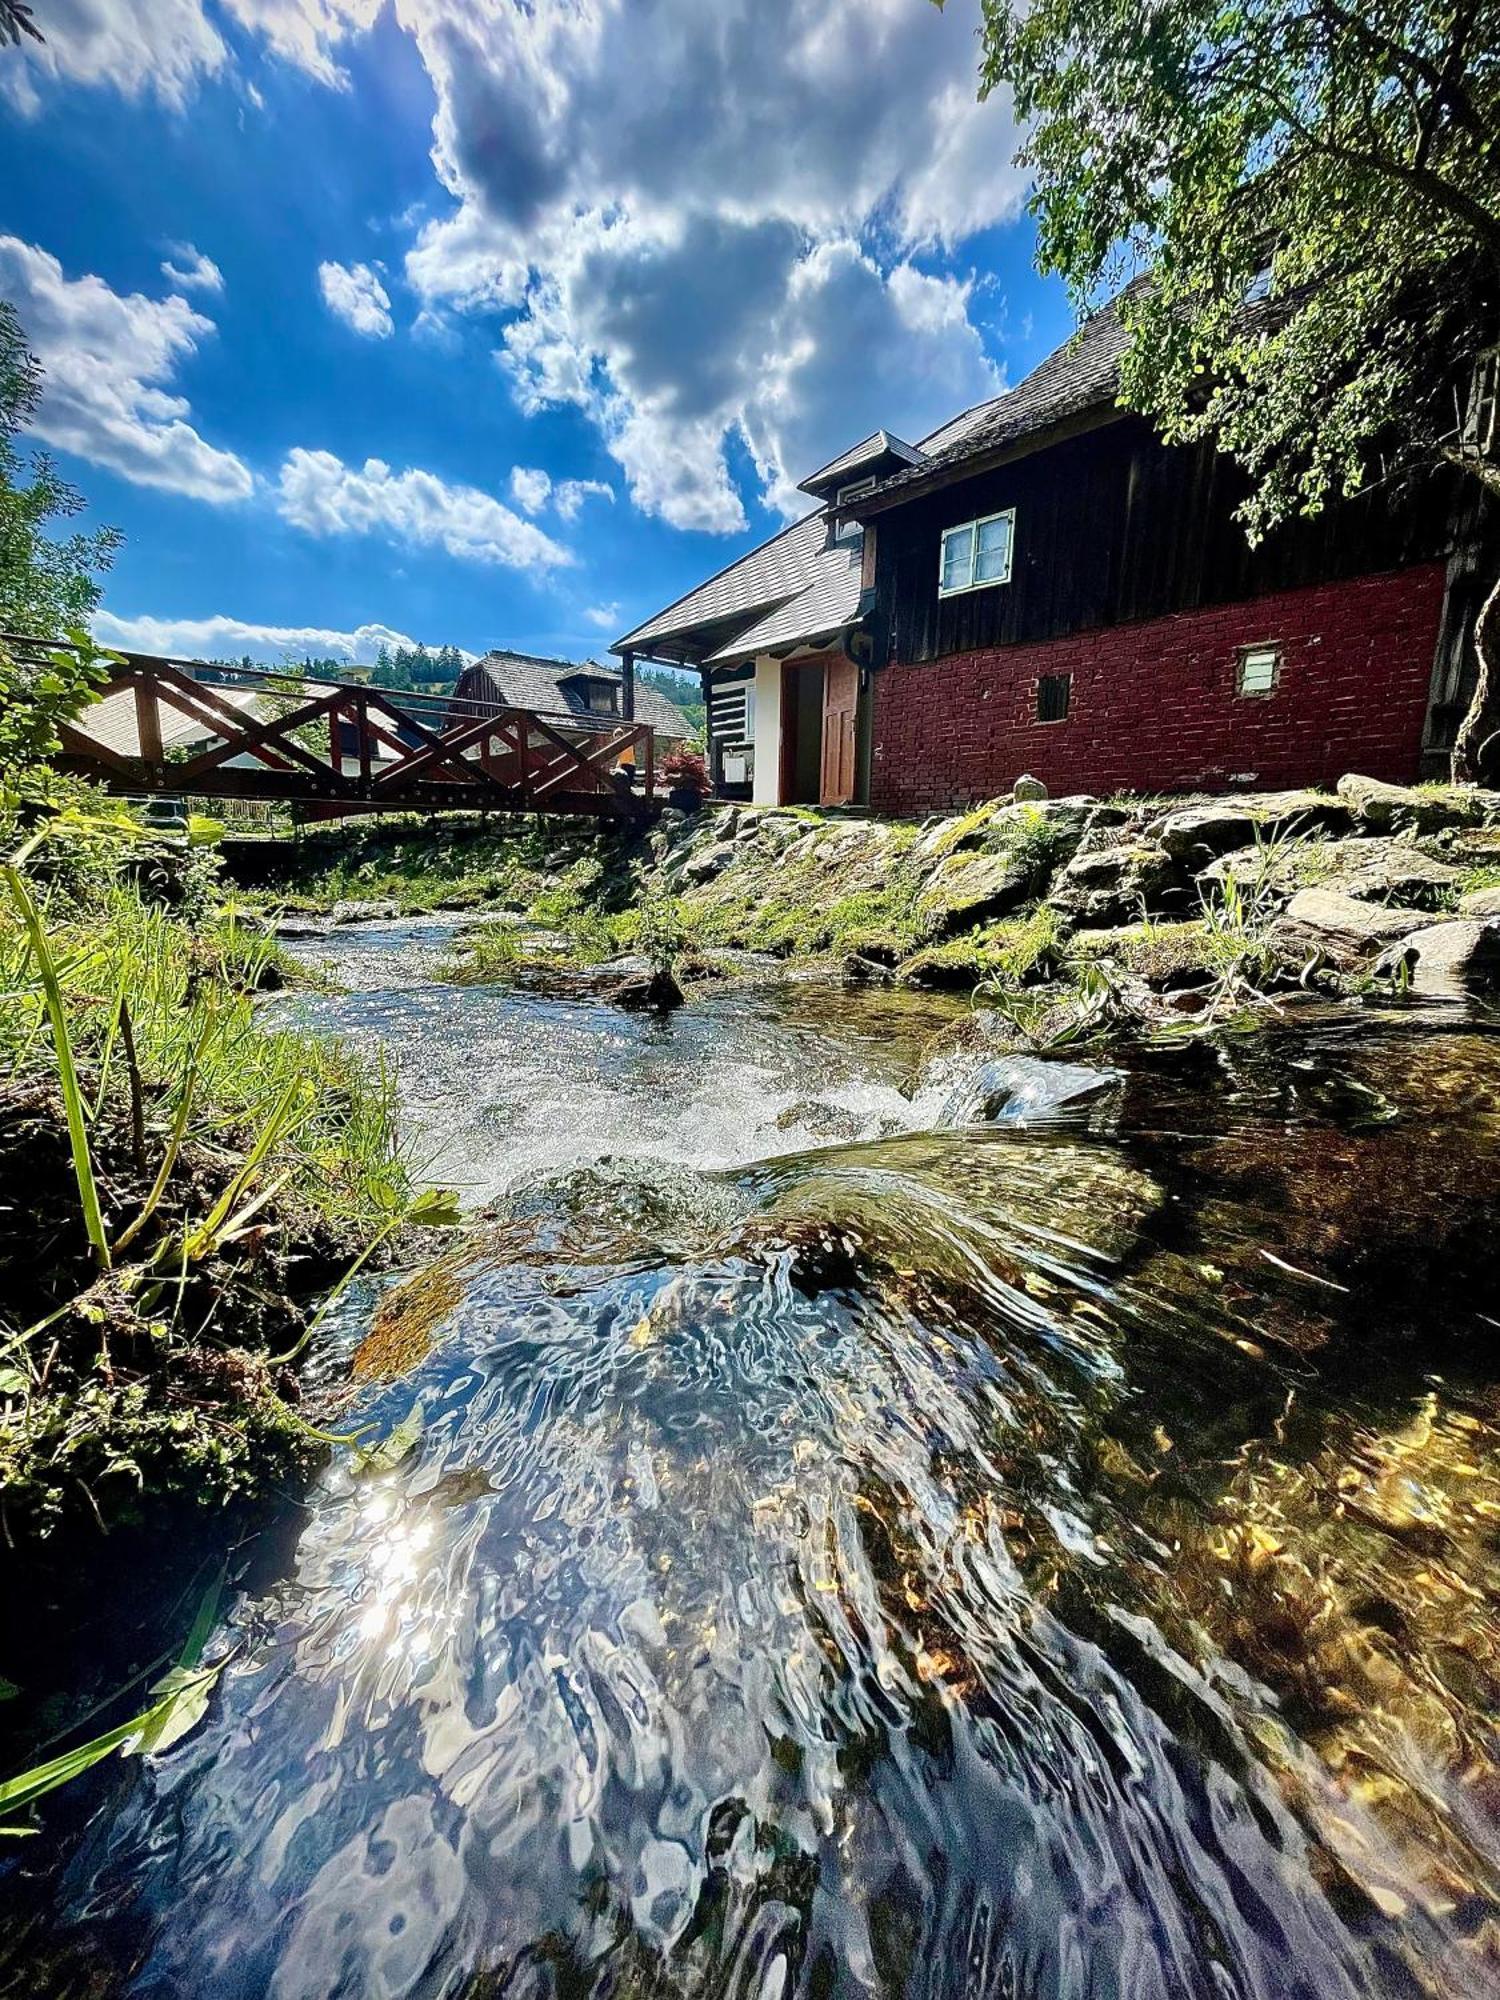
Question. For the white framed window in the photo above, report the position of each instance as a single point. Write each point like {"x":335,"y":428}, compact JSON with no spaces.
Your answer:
{"x":1260,"y":668}
{"x":851,"y":531}
{"x":976,"y":553}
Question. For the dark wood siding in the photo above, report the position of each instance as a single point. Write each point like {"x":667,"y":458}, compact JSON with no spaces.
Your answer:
{"x":1113,"y":527}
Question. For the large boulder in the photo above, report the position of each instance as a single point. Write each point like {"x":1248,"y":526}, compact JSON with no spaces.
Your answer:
{"x":1114,"y":884}
{"x":1196,"y":834}
{"x":1428,"y":808}
{"x":708,"y":862}
{"x":968,"y":889}
{"x":1325,"y":924}
{"x":1375,"y":870}
{"x":1446,"y":962}
{"x":1480,"y":903}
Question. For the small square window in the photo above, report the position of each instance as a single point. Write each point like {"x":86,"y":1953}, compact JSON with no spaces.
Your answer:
{"x":1053,"y":694}
{"x":1260,"y":668}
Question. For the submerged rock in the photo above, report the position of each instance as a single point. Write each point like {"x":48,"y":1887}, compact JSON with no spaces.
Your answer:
{"x":1025,"y":1090}
{"x":1449,"y":961}
{"x":648,"y":993}
{"x":364,"y":910}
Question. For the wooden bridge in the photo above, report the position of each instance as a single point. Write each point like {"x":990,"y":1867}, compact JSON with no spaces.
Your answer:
{"x":334,"y":747}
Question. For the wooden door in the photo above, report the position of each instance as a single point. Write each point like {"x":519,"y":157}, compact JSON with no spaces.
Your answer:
{"x":840,"y":702}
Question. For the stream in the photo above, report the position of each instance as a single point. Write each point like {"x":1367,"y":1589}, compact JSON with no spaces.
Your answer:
{"x":872,"y":1526}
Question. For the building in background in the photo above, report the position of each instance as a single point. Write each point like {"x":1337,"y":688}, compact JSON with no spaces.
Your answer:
{"x":1044,"y":586}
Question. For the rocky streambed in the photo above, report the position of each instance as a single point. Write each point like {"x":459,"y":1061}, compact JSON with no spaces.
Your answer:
{"x":859,"y":1515}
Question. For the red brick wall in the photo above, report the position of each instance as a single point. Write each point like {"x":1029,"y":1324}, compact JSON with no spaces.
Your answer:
{"x":1154,"y":707}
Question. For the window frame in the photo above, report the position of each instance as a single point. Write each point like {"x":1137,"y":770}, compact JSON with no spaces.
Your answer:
{"x":1007,"y":514}
{"x":1243,"y":657}
{"x":854,"y":489}
{"x":1050,"y":721}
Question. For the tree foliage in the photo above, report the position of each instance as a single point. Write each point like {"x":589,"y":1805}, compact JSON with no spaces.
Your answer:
{"x":1314,"y":189}
{"x":47,"y":586}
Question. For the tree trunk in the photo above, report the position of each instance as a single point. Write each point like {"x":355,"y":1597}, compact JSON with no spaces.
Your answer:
{"x":1477,"y":744}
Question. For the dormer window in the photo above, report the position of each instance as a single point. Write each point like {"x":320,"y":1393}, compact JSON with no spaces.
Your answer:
{"x":851,"y":531}
{"x":976,"y":553}
{"x":591,"y":692}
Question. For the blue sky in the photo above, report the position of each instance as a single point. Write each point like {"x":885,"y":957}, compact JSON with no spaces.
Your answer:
{"x":487,"y":324}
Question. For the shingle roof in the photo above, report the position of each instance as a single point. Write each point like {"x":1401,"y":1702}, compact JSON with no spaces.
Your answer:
{"x":777,"y":570}
{"x":1081,"y":375}
{"x":879,"y":444}
{"x":830,"y":602}
{"x":525,"y":680}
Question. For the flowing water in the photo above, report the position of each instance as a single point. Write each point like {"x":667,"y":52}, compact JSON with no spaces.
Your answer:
{"x":876,"y":1528}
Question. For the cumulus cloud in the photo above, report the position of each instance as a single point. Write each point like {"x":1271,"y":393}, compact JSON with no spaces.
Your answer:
{"x":689,"y":296}
{"x":139,"y":47}
{"x":321,"y":494}
{"x":354,"y":294}
{"x":604,"y":616}
{"x":188,"y":269}
{"x":109,"y":359}
{"x":530,"y":488}
{"x":228,"y":638}
{"x":683,"y":293}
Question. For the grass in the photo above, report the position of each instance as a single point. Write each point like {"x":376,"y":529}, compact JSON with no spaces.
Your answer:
{"x":178,"y":1165}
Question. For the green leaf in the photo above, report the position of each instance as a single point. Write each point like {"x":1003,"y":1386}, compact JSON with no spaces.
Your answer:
{"x":8,"y":1689}
{"x":437,"y":1208}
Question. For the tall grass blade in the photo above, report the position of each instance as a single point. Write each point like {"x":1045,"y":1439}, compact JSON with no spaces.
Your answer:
{"x":67,"y":1073}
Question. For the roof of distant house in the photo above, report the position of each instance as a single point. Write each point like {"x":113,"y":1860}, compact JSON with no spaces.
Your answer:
{"x":801,"y":585}
{"x":113,"y":722}
{"x":527,"y":680}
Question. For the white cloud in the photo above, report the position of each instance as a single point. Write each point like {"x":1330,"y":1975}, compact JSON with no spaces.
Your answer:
{"x":688,"y":295}
{"x":354,"y":294}
{"x":109,"y":359}
{"x":667,"y":288}
{"x":186,"y":267}
{"x":530,"y":488}
{"x":605,"y":616}
{"x":568,"y":495}
{"x":138,"y":47}
{"x":227,"y":638}
{"x":320,"y":493}
{"x":306,"y":32}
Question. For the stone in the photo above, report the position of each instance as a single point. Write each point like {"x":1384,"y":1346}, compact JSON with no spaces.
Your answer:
{"x":970,"y":889}
{"x":1113,"y":884}
{"x":648,"y":993}
{"x":369,"y":910}
{"x":708,"y":862}
{"x":1480,"y":903}
{"x":1346,"y":917}
{"x":1198,"y":833}
{"x":1379,"y":805}
{"x":1449,"y":961}
{"x":1027,"y":787}
{"x":1375,"y":870}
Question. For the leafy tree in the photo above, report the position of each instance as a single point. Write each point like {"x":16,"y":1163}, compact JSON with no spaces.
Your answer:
{"x":1314,"y":187}
{"x":47,"y":587}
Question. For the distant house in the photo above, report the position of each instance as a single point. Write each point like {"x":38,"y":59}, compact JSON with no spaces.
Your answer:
{"x":1044,"y":586}
{"x":568,"y":690}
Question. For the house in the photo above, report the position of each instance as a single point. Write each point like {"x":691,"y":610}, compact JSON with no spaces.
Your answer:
{"x":1044,"y":586}
{"x":585,"y":695}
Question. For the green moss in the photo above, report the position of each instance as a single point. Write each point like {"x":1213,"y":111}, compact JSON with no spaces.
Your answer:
{"x":1011,"y":951}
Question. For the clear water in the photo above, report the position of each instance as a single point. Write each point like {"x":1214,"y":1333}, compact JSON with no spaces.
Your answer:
{"x":851,"y":1554}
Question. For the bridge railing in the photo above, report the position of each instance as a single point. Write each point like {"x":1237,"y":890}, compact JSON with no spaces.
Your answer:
{"x":160,"y":726}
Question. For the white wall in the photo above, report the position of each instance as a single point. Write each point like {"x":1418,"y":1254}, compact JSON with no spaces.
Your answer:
{"x":767,"y":788}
